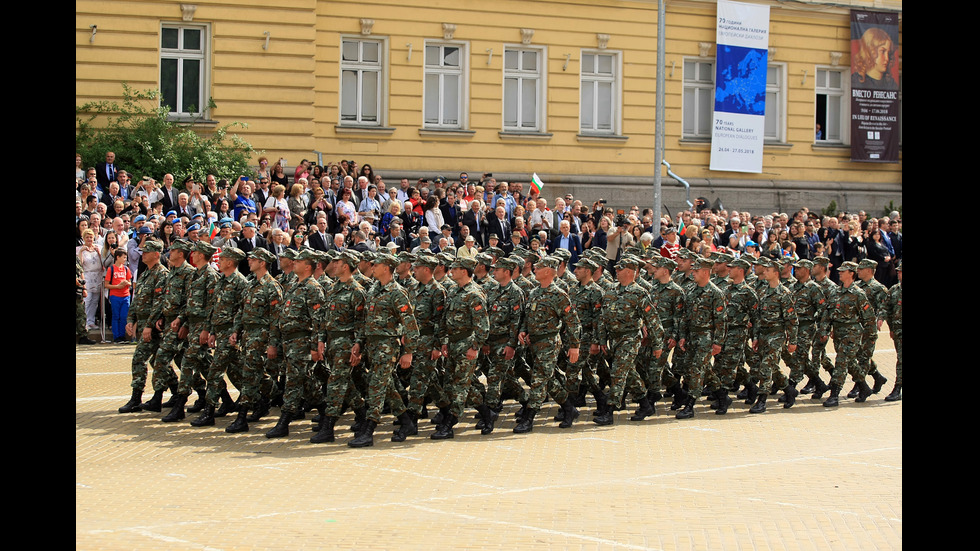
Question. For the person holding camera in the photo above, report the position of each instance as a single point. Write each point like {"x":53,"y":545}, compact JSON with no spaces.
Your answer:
{"x":619,"y":238}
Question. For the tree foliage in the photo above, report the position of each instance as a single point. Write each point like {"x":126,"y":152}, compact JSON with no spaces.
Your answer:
{"x":147,"y":143}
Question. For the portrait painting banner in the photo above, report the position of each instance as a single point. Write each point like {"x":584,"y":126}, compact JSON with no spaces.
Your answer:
{"x":874,"y":87}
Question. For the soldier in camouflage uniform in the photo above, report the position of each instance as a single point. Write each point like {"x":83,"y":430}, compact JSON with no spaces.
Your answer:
{"x":850,"y":311}
{"x":548,"y":315}
{"x":811,"y":312}
{"x":429,"y":300}
{"x":300,"y":336}
{"x":683,"y":276}
{"x":222,"y":335}
{"x":173,"y":303}
{"x":259,"y":311}
{"x":192,"y":322}
{"x":146,"y":297}
{"x":276,"y":366}
{"x":391,"y":336}
{"x":776,"y":329}
{"x":668,"y":299}
{"x":742,"y":308}
{"x":702,"y":332}
{"x":877,"y":296}
{"x":821,"y":276}
{"x":466,"y":325}
{"x":893,"y":315}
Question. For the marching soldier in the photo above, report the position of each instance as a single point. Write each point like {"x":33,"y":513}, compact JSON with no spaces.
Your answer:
{"x":146,"y":297}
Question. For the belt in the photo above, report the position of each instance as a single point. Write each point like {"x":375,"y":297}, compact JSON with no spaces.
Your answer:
{"x":295,"y":335}
{"x":542,"y":337}
{"x":459,"y":336}
{"x":499,"y":337}
{"x":425,"y":331}
{"x":340,"y":334}
{"x":375,"y":338}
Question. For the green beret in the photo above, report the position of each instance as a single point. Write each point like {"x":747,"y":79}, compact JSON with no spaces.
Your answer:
{"x":233,"y":253}
{"x":263,"y":254}
{"x":153,"y":246}
{"x":867,"y":263}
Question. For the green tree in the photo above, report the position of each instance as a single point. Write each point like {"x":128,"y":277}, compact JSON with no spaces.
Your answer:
{"x":831,"y":209}
{"x":147,"y":143}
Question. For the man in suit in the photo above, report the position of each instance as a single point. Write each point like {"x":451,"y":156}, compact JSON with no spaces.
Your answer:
{"x":395,"y":236}
{"x":567,"y":240}
{"x":474,"y":219}
{"x":451,"y":214}
{"x":106,"y":172}
{"x":170,"y":193}
{"x":248,"y":241}
{"x":278,"y":244}
{"x":319,"y":239}
{"x":184,"y":208}
{"x":499,"y":225}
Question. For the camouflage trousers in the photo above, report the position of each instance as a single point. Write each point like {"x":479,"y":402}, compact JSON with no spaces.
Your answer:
{"x":300,"y":382}
{"x":698,"y":360}
{"x":818,"y":357}
{"x":459,"y":378}
{"x":623,"y":378}
{"x":799,"y":362}
{"x":255,"y":379}
{"x":897,"y":338}
{"x":726,"y":363}
{"x":143,"y":354}
{"x":80,"y":330}
{"x":227,"y":359}
{"x":171,"y":348}
{"x":384,"y":353}
{"x":767,"y":372}
{"x":426,"y":376}
{"x":197,"y":360}
{"x":543,"y":352}
{"x":340,"y":387}
{"x":649,"y":367}
{"x":584,"y":370}
{"x":865,"y":356}
{"x":847,"y":343}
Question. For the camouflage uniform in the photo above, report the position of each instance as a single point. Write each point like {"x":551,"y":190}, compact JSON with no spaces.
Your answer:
{"x":850,"y":311}
{"x":668,"y":298}
{"x":298,"y":333}
{"x":893,"y":315}
{"x":878,"y":297}
{"x":819,"y":355}
{"x":742,"y":308}
{"x":173,"y":303}
{"x":777,"y":327}
{"x":466,"y":324}
{"x":223,"y":323}
{"x":587,"y":299}
{"x":705,"y":324}
{"x":506,"y":306}
{"x":258,"y":314}
{"x":429,"y":300}
{"x":811,"y":312}
{"x":343,"y":317}
{"x":200,"y":301}
{"x":146,"y":298}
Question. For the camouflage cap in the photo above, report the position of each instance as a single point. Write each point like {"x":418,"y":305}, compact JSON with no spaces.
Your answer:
{"x":848,"y":267}
{"x":586,"y":263}
{"x":532,"y":256}
{"x":389,"y":260}
{"x":366,"y":256}
{"x":549,"y":262}
{"x":205,"y":248}
{"x":628,"y":262}
{"x":740,"y":262}
{"x":687,"y":254}
{"x":804,"y":264}
{"x":445,"y":259}
{"x":766,"y":262}
{"x":406,"y":256}
{"x":497,"y":252}
{"x":333,"y":254}
{"x":507,"y":263}
{"x":152,"y":246}
{"x":702,"y":263}
{"x":426,"y":261}
{"x":288,"y":254}
{"x":485,"y":259}
{"x":233,"y":253}
{"x":722,"y":258}
{"x":786,"y":261}
{"x":182,"y":245}
{"x":464,"y":262}
{"x":263,"y":254}
{"x":306,"y":254}
{"x":822,"y":260}
{"x":562,"y":254}
{"x":450,"y":249}
{"x":350,"y":258}
{"x":868,"y":263}
{"x":664,"y":262}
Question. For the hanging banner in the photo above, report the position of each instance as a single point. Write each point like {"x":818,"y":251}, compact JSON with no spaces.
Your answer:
{"x":738,"y":125}
{"x":874,"y":87}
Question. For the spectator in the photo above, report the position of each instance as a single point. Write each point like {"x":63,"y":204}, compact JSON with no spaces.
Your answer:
{"x":118,"y":281}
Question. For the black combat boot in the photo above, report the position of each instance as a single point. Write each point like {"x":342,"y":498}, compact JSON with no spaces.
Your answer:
{"x":488,"y":417}
{"x":155,"y":403}
{"x":896,"y":394}
{"x":445,"y":430}
{"x":654,"y":396}
{"x":260,"y":411}
{"x":820,"y":388}
{"x":202,"y":393}
{"x":408,"y":427}
{"x":241,"y":422}
{"x":864,"y":392}
{"x":724,"y":401}
{"x":854,"y":391}
{"x":360,"y":419}
{"x":752,"y":392}
{"x":282,"y":426}
{"x":521,"y":412}
{"x":227,"y":405}
{"x":177,"y":412}
{"x":680,"y":398}
{"x":688,"y":410}
{"x":809,"y":386}
{"x":325,"y":434}
{"x":206,"y":419}
{"x":569,"y":413}
{"x":744,"y":393}
{"x":440,"y":417}
{"x":527,"y":423}
{"x":760,"y":403}
{"x":366,"y":438}
{"x":173,"y":397}
{"x":834,"y":398}
{"x":645,"y":410}
{"x":133,"y":404}
{"x":880,"y":381}
{"x":791,"y":393}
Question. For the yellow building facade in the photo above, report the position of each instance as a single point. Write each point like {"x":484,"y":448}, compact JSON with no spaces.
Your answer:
{"x":566,"y":89}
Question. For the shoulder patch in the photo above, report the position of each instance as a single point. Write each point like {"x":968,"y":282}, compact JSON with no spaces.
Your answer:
{"x":404,"y":308}
{"x":720,"y":308}
{"x":478,"y":307}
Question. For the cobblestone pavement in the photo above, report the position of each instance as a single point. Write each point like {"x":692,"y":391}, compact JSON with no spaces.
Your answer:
{"x":805,"y":478}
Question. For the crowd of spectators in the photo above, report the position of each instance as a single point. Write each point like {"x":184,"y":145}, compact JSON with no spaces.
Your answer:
{"x":342,"y":205}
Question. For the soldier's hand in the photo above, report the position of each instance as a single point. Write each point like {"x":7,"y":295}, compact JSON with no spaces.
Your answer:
{"x":147,"y":334}
{"x":522,"y":337}
{"x":84,"y":292}
{"x":175,"y":325}
{"x":878,"y":324}
{"x":445,"y":350}
{"x":486,"y":349}
{"x":129,"y":329}
{"x":435,"y":355}
{"x":791,"y":348}
{"x":671,"y":343}
{"x":406,"y":361}
{"x":573,"y":355}
{"x":212,"y":340}
{"x":594,"y":349}
{"x":509,"y":352}
{"x":159,"y":324}
{"x":270,"y":352}
{"x":315,"y":356}
{"x":233,"y":339}
{"x":657,"y":353}
{"x":472,"y":354}
{"x":182,"y":332}
{"x":755,"y":345}
{"x":681,"y":345}
{"x":202,"y":338}
{"x":715,"y":349}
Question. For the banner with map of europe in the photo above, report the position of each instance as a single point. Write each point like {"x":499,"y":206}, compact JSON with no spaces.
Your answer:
{"x":875,"y":112}
{"x":739,"y":121}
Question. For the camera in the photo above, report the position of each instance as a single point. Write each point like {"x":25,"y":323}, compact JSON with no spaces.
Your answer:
{"x":620,"y":219}
{"x":602,"y":201}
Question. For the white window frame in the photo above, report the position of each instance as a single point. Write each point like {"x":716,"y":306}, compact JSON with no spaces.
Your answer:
{"x":362,"y":68}
{"x":693,"y":91}
{"x":539,"y":75}
{"x":776,"y":103}
{"x":844,"y":93}
{"x":441,"y":71}
{"x":588,"y":77}
{"x":180,"y":54}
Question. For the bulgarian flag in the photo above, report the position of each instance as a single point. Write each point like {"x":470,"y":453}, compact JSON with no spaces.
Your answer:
{"x":536,"y":182}
{"x":212,"y":231}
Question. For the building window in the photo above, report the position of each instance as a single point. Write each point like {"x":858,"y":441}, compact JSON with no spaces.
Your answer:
{"x":600,"y":105}
{"x":183,"y":69}
{"x":832,"y":105}
{"x":775,"y":103}
{"x":445,"y":86}
{"x":524,"y":85}
{"x":699,"y":98}
{"x":362,"y":82}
